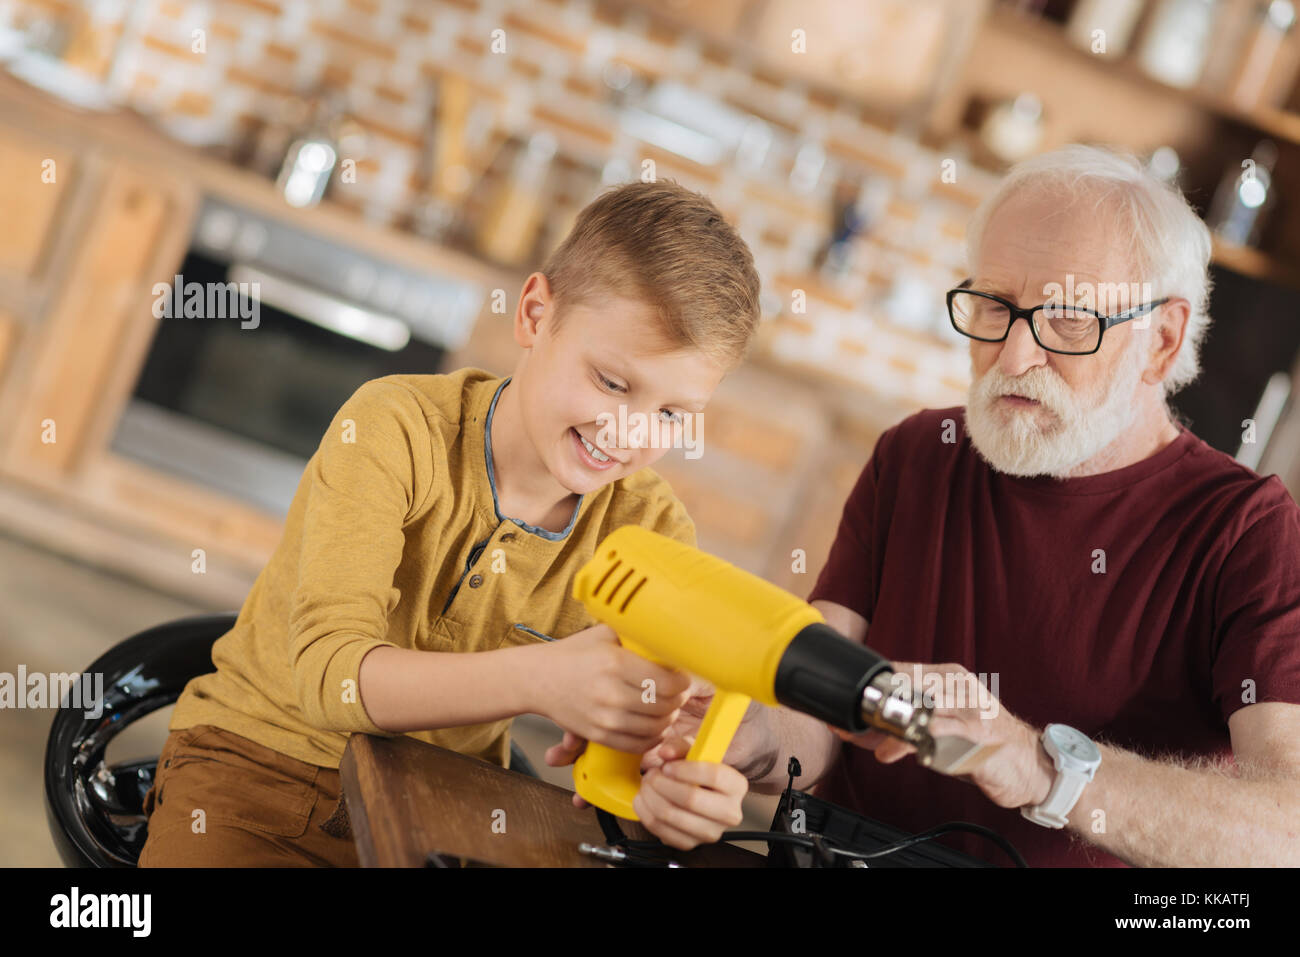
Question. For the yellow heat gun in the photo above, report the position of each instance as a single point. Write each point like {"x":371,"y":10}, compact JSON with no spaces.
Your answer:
{"x":686,"y":609}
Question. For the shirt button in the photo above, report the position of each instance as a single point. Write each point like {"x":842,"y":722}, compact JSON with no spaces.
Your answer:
{"x":475,"y":581}
{"x":508,"y":537}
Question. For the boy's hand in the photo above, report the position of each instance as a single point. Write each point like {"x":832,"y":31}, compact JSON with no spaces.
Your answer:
{"x":688,"y":803}
{"x":599,"y":691}
{"x":717,"y":790}
{"x":752,"y":743}
{"x":566,"y":752}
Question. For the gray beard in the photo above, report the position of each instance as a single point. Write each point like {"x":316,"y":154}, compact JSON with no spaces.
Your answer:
{"x":1062,"y":432}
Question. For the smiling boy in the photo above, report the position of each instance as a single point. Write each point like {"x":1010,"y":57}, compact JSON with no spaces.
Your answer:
{"x":445,"y":514}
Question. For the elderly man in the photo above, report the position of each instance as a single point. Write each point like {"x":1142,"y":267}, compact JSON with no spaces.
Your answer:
{"x":1131,"y":594}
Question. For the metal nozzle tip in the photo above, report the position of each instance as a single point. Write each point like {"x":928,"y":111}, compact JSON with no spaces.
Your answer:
{"x":604,"y":853}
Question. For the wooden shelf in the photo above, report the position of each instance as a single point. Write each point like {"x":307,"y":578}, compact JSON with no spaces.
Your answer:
{"x":1255,"y":264}
{"x":1047,"y":39}
{"x":1277,"y":123}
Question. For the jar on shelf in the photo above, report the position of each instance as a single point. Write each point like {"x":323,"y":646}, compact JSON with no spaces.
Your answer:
{"x":510,"y":228}
{"x":1245,"y":197}
{"x":1269,"y":59}
{"x":1165,"y":164}
{"x":1177,"y":41}
{"x":1013,"y":129}
{"x":1103,"y":27}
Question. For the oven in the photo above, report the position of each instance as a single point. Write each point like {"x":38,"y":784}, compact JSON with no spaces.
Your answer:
{"x":263,"y":333}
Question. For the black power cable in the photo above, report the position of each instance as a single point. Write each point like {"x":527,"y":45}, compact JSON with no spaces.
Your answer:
{"x":655,"y":853}
{"x":822,"y":843}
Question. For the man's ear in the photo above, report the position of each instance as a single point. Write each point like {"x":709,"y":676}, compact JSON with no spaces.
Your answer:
{"x":1169,"y":327}
{"x":536,"y":308}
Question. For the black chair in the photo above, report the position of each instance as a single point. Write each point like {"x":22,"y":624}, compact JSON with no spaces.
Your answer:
{"x":96,"y":811}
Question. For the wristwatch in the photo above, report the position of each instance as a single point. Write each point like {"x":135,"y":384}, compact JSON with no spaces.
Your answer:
{"x":1076,"y":759}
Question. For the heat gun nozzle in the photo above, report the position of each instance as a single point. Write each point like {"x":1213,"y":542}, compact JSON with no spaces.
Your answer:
{"x":887,"y":707}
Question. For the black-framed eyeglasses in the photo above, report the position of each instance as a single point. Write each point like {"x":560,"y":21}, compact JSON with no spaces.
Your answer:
{"x":1066,"y":330}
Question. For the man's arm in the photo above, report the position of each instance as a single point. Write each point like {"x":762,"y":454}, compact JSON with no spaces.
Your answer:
{"x":1150,"y":813}
{"x":791,"y":733}
{"x":1166,"y":814}
{"x":1161,"y":812}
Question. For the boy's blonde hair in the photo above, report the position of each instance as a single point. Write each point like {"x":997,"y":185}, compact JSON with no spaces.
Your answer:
{"x":664,"y":245}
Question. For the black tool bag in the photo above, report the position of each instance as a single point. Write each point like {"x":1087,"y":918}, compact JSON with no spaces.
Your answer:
{"x":804,"y":814}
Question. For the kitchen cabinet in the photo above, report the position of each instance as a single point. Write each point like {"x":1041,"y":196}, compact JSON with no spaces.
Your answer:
{"x":78,"y":346}
{"x":78,"y":260}
{"x":34,"y":179}
{"x":78,"y":264}
{"x":886,"y":51}
{"x":892,"y":54}
{"x":35,"y":182}
{"x":8,"y":338}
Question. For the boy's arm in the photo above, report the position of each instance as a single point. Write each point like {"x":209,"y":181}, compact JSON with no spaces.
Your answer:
{"x":370,"y":468}
{"x":586,"y":684}
{"x":373,"y":470}
{"x":407,"y":690}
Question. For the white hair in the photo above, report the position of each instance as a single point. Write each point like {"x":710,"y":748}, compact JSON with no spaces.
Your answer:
{"x":1170,"y":244}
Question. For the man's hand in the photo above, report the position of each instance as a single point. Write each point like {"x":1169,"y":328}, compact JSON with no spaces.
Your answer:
{"x":688,"y":803}
{"x":1015,"y":773}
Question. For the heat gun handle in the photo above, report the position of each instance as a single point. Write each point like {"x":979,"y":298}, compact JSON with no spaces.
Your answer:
{"x":610,"y":779}
{"x":719,"y":726}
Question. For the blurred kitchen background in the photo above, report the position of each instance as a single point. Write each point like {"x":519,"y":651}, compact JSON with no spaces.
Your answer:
{"x":388,"y":171}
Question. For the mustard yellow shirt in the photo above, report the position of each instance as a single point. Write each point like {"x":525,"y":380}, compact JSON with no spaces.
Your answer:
{"x":395,"y":537}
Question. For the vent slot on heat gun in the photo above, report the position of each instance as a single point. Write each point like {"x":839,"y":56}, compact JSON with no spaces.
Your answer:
{"x":603,"y":578}
{"x":630,"y":595}
{"x":609,"y":598}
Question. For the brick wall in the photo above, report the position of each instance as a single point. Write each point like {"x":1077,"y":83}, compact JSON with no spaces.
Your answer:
{"x":215,"y":73}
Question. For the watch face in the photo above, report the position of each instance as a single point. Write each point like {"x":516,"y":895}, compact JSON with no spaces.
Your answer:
{"x":1074,"y":743}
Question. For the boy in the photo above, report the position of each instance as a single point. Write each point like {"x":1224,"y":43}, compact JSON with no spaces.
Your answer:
{"x":444,"y":514}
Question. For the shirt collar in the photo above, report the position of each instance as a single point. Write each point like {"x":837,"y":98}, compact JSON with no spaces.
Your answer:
{"x":488,"y":392}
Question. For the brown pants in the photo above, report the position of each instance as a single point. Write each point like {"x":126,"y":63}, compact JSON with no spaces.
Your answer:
{"x":221,"y":800}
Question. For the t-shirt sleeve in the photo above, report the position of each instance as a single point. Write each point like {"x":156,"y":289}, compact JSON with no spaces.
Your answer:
{"x":846,"y":578}
{"x":362,"y":486}
{"x":1257,"y":614}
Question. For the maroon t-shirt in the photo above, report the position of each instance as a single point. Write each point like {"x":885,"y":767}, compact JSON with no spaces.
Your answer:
{"x":951,"y":561}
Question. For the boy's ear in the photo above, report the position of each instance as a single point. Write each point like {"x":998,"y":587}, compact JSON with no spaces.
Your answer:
{"x":536,"y":306}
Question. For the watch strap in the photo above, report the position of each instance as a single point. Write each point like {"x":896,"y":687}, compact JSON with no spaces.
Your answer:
{"x":1060,"y":799}
{"x":1064,"y":793}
